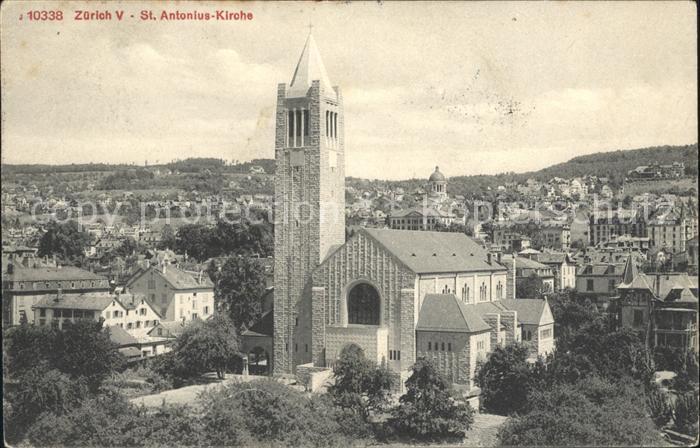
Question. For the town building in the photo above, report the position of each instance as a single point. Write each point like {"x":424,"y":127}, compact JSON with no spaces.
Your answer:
{"x":23,"y":287}
{"x":174,"y":293}
{"x":437,"y":185}
{"x":548,"y":234}
{"x":667,"y":230}
{"x":605,"y":225}
{"x":662,"y":306}
{"x":530,"y":274}
{"x":598,"y":282}
{"x":562,"y":266}
{"x":419,"y":219}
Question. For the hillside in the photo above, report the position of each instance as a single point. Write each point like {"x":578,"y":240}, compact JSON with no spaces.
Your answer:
{"x":615,"y":165}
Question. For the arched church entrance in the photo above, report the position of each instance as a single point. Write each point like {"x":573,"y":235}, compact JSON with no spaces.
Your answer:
{"x":363,"y":305}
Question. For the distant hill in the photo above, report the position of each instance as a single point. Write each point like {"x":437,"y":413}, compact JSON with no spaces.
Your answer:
{"x":615,"y":165}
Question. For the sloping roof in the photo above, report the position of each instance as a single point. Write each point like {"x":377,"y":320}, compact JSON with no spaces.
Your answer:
{"x":529,"y":310}
{"x":173,"y":328}
{"x":443,"y":312}
{"x":120,"y":337}
{"x":263,"y":327}
{"x":130,"y":352}
{"x":432,"y":252}
{"x":553,"y":257}
{"x":177,"y":278}
{"x":51,"y":273}
{"x":680,"y":294}
{"x":418,"y":212}
{"x":309,"y":68}
{"x":76,"y":302}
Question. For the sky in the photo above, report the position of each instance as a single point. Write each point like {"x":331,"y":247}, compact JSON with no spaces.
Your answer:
{"x":475,"y":88}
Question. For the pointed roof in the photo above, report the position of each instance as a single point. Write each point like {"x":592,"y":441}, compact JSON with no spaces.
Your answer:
{"x":309,"y":68}
{"x":630,"y":271}
{"x":443,"y":312}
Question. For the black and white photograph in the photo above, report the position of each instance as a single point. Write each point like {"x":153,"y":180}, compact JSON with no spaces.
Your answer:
{"x":349,"y":224}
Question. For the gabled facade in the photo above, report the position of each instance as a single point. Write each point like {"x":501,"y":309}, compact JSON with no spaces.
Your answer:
{"x":663,"y":306}
{"x":174,"y":293}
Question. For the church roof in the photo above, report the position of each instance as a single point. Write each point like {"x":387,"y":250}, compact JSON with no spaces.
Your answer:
{"x":432,"y":252}
{"x":443,"y":312}
{"x":309,"y":68}
{"x":529,"y":310}
{"x":437,"y":176}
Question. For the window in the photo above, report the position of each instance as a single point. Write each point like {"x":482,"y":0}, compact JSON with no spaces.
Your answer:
{"x":611,"y":284}
{"x":42,"y":312}
{"x":449,"y":346}
{"x":638,"y":318}
{"x":108,"y":314}
{"x":138,"y":324}
{"x":442,"y":346}
{"x":430,"y":346}
{"x":195,"y":315}
{"x":545,"y":334}
{"x":589,"y":284}
{"x":206,"y":310}
{"x":306,"y":348}
{"x":151,"y":284}
{"x":142,"y":311}
{"x":129,"y":326}
{"x":363,"y":305}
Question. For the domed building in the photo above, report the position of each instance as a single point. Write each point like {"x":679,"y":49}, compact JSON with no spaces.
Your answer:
{"x":437,"y":185}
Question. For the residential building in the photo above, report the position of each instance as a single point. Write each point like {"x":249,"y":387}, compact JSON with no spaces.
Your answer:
{"x":605,"y":225}
{"x":663,"y":306}
{"x":563,"y":268}
{"x":598,"y":282}
{"x":23,"y":287}
{"x":176,"y":294}
{"x":549,"y":234}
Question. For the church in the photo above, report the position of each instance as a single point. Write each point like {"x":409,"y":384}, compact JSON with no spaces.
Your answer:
{"x":398,"y":294}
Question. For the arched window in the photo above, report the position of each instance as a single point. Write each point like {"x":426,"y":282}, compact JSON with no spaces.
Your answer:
{"x":363,"y":305}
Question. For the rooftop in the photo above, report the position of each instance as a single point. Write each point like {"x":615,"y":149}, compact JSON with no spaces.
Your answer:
{"x":432,"y":252}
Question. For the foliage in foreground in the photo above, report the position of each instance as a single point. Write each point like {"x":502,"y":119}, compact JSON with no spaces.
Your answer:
{"x":592,"y":412}
{"x":360,"y":386}
{"x":428,"y":411}
{"x":241,"y":414}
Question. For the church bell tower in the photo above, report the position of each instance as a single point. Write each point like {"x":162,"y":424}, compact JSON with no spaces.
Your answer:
{"x":309,"y":204}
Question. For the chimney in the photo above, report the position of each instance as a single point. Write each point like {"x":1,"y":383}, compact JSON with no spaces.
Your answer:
{"x":489,"y":257}
{"x":499,"y":257}
{"x":199,"y":278}
{"x":54,"y":259}
{"x":10,"y":268}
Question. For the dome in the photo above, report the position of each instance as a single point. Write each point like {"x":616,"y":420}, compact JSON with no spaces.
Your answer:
{"x":437,"y":176}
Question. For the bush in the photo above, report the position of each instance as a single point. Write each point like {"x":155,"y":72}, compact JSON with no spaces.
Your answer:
{"x":360,"y":385}
{"x":427,"y":410}
{"x":268,"y":412}
{"x":685,"y":414}
{"x":591,"y":412}
{"x":41,"y":391}
{"x":659,"y":407}
{"x":505,"y":379}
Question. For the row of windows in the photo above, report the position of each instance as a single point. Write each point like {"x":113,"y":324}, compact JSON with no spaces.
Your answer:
{"x":483,"y":291}
{"x":331,"y":124}
{"x":439,"y":346}
{"x":49,"y":285}
{"x":395,"y":355}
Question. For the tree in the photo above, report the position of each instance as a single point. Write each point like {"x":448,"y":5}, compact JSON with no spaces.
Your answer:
{"x":428,"y":410}
{"x":592,"y":412}
{"x":239,"y":290}
{"x":197,"y":241}
{"x":65,"y":240}
{"x":41,"y":390}
{"x":360,"y":385}
{"x":167,"y":238}
{"x":530,"y":288}
{"x":81,"y":350}
{"x":202,"y":346}
{"x":505,"y":379}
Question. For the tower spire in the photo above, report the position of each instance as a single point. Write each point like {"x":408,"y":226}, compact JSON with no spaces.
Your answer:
{"x":309,"y":68}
